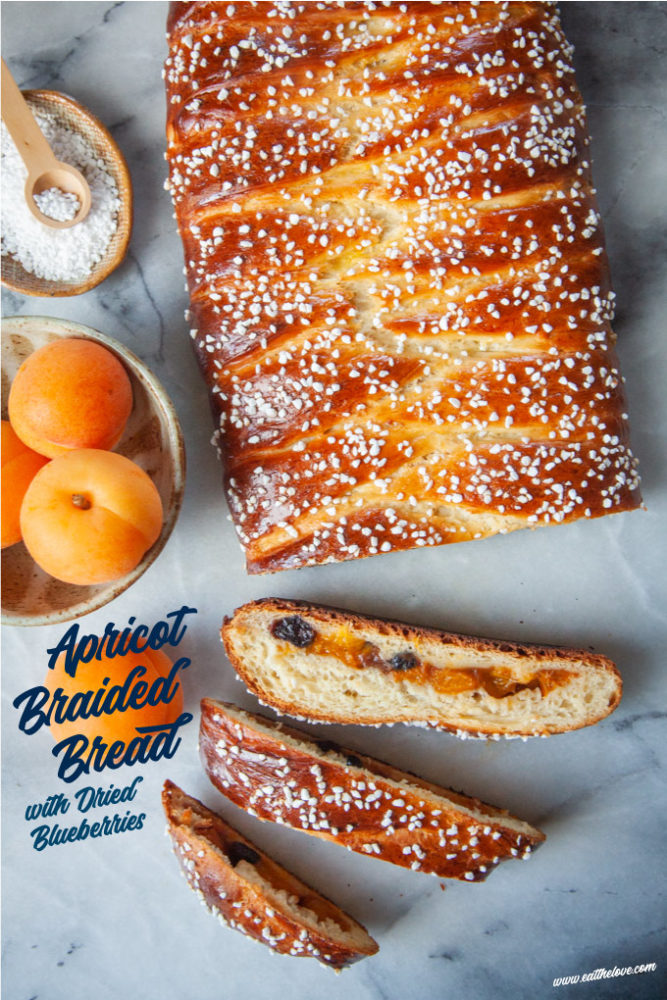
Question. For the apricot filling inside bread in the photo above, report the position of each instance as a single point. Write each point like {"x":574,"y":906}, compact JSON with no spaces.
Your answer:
{"x":330,"y":665}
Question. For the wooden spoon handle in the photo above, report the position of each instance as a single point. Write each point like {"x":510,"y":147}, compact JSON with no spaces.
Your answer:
{"x":24,"y":130}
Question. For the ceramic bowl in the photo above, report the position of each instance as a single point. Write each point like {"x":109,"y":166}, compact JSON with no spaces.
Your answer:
{"x":152,"y":439}
{"x":69,"y":113}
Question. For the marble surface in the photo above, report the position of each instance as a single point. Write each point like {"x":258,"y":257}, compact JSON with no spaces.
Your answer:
{"x":113,"y":919}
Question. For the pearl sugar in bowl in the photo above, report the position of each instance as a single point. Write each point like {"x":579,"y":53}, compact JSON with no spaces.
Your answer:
{"x":44,"y":261}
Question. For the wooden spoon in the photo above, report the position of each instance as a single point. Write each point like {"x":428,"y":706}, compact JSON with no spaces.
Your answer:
{"x":44,"y":170}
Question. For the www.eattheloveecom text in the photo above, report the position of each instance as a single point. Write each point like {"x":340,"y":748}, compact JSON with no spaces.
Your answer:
{"x":80,"y":754}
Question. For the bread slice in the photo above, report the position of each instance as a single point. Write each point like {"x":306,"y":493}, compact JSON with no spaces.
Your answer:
{"x":327,"y":665}
{"x":284,"y":776}
{"x":252,"y":893}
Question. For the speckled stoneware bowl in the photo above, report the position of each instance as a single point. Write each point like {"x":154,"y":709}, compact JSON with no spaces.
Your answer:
{"x":152,"y":439}
{"x":71,"y":115}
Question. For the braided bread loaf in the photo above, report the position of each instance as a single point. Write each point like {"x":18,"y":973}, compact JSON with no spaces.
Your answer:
{"x":399,"y":292}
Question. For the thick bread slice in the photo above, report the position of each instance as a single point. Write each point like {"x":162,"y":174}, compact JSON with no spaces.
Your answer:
{"x":327,"y":665}
{"x":285,"y":776}
{"x":253,"y":894}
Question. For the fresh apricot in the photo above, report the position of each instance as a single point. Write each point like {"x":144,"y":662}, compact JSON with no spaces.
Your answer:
{"x":89,"y":516}
{"x":103,"y":675}
{"x":70,"y":393}
{"x":19,"y":465}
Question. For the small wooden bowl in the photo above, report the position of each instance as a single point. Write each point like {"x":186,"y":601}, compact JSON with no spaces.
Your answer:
{"x":152,"y":439}
{"x":68,"y":112}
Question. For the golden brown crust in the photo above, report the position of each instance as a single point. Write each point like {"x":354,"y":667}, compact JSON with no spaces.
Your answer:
{"x":490,"y":702}
{"x":400,"y":297}
{"x":209,"y":851}
{"x":282,"y":775}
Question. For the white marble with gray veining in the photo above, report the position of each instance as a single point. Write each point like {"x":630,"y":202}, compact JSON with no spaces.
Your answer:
{"x":113,"y":919}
